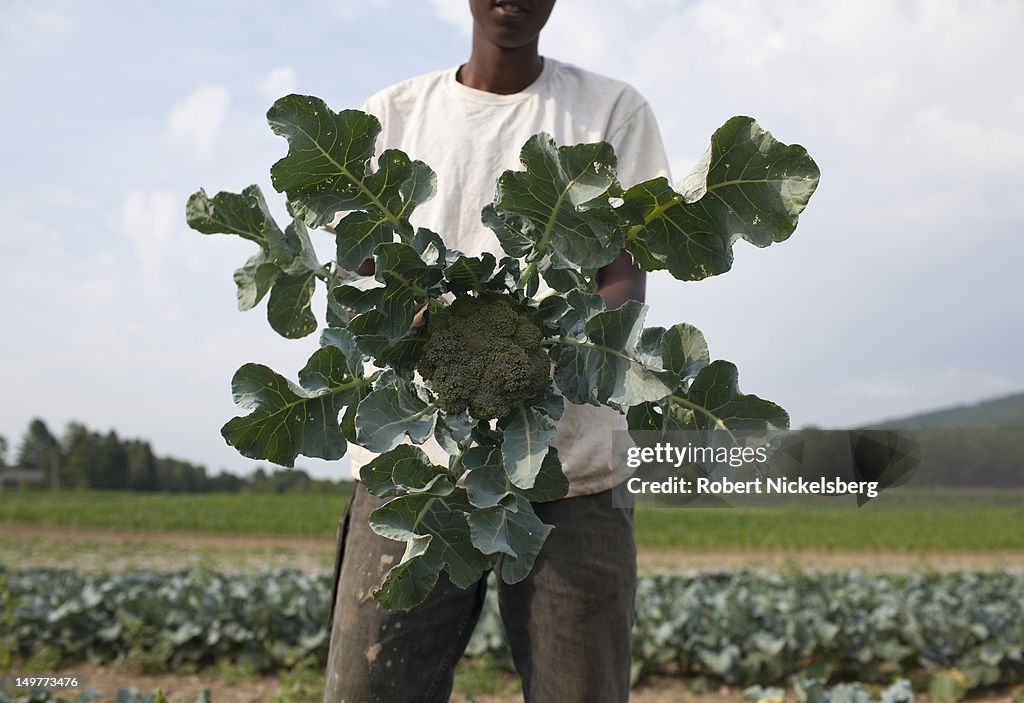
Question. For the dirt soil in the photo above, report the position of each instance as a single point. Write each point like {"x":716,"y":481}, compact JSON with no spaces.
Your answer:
{"x":115,"y":549}
{"x":185,"y":688}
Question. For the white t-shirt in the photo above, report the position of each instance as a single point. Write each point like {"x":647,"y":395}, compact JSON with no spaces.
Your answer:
{"x":469,"y":137}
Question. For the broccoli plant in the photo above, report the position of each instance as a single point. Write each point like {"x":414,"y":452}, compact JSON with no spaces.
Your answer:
{"x":488,"y":373}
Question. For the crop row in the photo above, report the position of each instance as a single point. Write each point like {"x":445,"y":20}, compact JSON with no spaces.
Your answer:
{"x":739,"y":628}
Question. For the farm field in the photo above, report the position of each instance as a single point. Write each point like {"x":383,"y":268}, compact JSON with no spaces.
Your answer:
{"x":107,"y":531}
{"x":925,"y":520}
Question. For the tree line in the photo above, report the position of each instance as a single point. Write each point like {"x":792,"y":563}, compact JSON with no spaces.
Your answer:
{"x":80,"y":458}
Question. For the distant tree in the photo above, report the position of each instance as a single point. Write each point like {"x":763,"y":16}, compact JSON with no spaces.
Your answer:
{"x":142,"y":473}
{"x":289,"y":481}
{"x":111,"y":468}
{"x":81,"y":449}
{"x":181,"y":476}
{"x":259,"y":482}
{"x":38,"y":446}
{"x":3,"y":451}
{"x":225,"y":482}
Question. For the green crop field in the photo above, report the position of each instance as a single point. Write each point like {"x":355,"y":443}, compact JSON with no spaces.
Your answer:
{"x":924,"y":520}
{"x":311,"y":515}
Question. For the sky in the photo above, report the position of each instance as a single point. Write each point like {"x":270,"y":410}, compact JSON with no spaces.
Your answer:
{"x":899,"y":292}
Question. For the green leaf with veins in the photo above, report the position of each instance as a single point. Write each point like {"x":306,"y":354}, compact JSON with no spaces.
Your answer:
{"x":391,"y":412}
{"x":605,"y":366}
{"x":452,"y":431}
{"x":470,"y":273}
{"x":517,"y":535}
{"x":407,"y":280}
{"x":254,"y":280}
{"x":487,"y":483}
{"x":244,"y":214}
{"x":432,"y":248}
{"x":289,"y":419}
{"x":344,"y":340}
{"x":284,"y":266}
{"x":749,"y":186}
{"x":713,"y":403}
{"x":325,"y":172}
{"x":559,"y":203}
{"x":289,"y":309}
{"x":582,"y":305}
{"x":684,"y":350}
{"x":716,"y":389}
{"x":438,"y":536}
{"x":527,"y":431}
{"x":359,"y":294}
{"x":405,"y":470}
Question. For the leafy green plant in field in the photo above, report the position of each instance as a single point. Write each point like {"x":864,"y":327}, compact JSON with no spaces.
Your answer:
{"x":559,"y":221}
{"x":737,"y":628}
{"x":8,"y":642}
{"x":303,"y":682}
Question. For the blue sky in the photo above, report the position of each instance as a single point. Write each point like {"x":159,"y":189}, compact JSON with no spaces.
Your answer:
{"x":899,"y":292}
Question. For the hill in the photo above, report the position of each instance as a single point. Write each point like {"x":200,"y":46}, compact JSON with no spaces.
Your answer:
{"x":999,"y":413}
{"x":979,"y":445}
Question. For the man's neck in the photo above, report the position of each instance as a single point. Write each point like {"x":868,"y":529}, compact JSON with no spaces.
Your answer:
{"x":503,"y":71}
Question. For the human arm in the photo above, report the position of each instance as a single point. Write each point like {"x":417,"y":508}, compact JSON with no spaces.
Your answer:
{"x":621,"y":280}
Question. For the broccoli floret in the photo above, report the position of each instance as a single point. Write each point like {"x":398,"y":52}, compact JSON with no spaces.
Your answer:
{"x":484,"y":355}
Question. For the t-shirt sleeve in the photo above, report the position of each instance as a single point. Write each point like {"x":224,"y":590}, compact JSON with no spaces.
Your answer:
{"x":638,"y":147}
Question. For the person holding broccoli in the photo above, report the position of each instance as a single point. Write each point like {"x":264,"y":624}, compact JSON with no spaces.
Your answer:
{"x":569,"y":622}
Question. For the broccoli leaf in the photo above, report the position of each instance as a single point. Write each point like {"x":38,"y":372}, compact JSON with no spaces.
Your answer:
{"x":487,"y":483}
{"x":325,"y":172}
{"x":244,"y":214}
{"x":470,"y":273}
{"x":517,"y":535}
{"x":505,"y":521}
{"x":527,"y":431}
{"x":750,"y":185}
{"x":289,"y":419}
{"x":407,"y":279}
{"x":390,"y":412}
{"x":713,"y":403}
{"x":405,"y":470}
{"x":560,"y":203}
{"x":684,"y":350}
{"x":289,"y":310}
{"x":604,"y":365}
{"x":716,"y":390}
{"x":438,"y":536}
{"x":254,"y":280}
{"x":286,"y":265}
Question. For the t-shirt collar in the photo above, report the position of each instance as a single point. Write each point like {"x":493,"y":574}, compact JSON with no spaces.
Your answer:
{"x":482,"y":96}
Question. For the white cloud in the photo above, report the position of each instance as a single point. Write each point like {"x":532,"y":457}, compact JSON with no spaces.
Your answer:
{"x":280,"y":81}
{"x":198,"y":118}
{"x":148,"y":219}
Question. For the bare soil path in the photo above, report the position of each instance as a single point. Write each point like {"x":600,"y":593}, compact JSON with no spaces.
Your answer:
{"x":90,"y":548}
{"x":185,"y":688}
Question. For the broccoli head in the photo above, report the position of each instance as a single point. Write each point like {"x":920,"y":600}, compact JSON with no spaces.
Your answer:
{"x":484,"y":355}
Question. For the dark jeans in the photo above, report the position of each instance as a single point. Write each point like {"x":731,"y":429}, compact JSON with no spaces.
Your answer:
{"x":568,"y":623}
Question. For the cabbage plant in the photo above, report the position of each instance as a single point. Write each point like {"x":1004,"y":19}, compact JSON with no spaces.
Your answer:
{"x":558,"y":220}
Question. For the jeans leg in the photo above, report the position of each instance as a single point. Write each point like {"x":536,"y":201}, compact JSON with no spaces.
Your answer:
{"x":380,"y":656}
{"x":569,"y":622}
